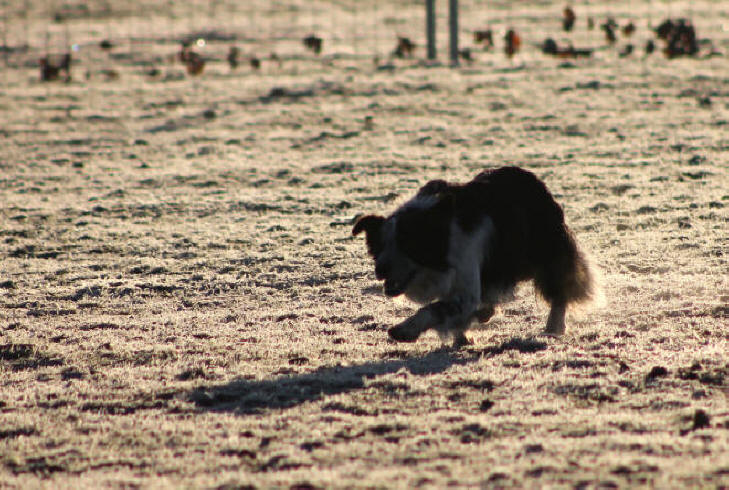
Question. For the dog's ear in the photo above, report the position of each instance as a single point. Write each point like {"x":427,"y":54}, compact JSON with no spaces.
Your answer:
{"x":369,"y":224}
{"x":372,"y":226}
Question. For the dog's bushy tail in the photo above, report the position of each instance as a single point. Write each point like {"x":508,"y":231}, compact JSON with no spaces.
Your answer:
{"x":569,"y":277}
{"x":583,"y":285}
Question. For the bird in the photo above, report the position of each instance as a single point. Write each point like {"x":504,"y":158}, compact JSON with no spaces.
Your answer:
{"x":51,"y":70}
{"x":465,"y":54}
{"x":649,"y":47}
{"x":628,"y":29}
{"x":568,"y":18}
{"x":513,"y":42}
{"x":232,"y":57}
{"x":549,"y":46}
{"x":255,"y":62}
{"x":609,"y":27}
{"x":404,"y":48}
{"x":314,"y":43}
{"x":486,"y":37}
{"x":194,"y":63}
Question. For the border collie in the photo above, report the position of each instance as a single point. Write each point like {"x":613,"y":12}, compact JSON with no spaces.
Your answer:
{"x":461,"y":249}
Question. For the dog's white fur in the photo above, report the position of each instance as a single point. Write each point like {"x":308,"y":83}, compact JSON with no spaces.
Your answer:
{"x":460,"y":285}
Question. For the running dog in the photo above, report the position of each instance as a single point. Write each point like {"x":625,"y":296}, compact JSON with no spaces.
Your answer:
{"x":461,"y":249}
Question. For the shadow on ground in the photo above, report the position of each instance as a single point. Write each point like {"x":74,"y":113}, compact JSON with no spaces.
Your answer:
{"x":249,"y":397}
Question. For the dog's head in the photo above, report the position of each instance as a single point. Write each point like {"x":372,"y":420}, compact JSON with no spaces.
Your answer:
{"x":412,"y":240}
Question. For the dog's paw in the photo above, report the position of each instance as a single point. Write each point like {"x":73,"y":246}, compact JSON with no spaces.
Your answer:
{"x":460,"y":340}
{"x":404,"y":332}
{"x":550,"y":333}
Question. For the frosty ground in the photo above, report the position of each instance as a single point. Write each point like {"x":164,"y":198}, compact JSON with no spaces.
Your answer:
{"x":182,"y":302}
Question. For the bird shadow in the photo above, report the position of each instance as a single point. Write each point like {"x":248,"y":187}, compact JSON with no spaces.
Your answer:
{"x":242,"y":396}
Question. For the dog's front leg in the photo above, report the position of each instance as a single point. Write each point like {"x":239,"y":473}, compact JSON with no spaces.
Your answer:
{"x":410,"y":329}
{"x":447,"y":316}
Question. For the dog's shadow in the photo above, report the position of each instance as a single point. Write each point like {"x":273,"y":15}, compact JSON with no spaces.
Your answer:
{"x":249,"y":397}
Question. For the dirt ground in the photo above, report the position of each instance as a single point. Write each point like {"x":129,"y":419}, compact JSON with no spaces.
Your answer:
{"x":182,"y":303}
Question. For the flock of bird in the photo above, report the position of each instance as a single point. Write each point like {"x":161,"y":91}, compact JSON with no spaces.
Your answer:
{"x":678,"y":35}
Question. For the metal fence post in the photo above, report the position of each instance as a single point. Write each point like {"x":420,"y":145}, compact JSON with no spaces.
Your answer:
{"x":430,"y":27}
{"x":453,"y":23}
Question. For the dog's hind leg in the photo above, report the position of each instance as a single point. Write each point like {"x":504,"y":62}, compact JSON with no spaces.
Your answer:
{"x":556,"y":322}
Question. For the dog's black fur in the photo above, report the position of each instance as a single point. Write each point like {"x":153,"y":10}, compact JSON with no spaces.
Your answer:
{"x":460,"y":249}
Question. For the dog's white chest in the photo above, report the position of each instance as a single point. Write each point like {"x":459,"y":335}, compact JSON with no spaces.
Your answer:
{"x":430,"y":285}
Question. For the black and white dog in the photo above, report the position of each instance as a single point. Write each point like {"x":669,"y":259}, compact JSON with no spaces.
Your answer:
{"x":461,"y":249}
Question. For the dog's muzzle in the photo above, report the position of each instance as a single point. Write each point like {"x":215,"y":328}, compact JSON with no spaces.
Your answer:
{"x":396,"y":288}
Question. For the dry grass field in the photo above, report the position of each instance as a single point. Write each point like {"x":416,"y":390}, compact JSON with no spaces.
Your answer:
{"x":182,"y":303}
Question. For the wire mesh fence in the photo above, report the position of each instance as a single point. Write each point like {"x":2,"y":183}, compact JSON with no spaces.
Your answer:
{"x":113,"y":40}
